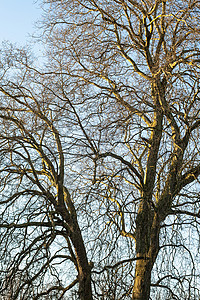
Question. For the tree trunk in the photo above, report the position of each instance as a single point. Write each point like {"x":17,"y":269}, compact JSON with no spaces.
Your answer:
{"x":82,"y":264}
{"x":141,"y":289}
{"x":84,"y":269}
{"x":147,"y":246}
{"x":85,"y":290}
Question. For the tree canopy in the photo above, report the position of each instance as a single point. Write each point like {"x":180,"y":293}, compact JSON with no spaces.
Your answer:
{"x":99,"y":150}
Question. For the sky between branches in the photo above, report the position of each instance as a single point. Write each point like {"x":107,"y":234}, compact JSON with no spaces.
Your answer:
{"x":17,"y":18}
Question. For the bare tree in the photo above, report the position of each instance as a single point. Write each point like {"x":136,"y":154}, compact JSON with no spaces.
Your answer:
{"x":100,"y":154}
{"x":41,"y":240}
{"x":139,"y":61}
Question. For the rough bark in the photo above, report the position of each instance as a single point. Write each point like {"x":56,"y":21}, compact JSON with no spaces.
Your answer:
{"x":147,"y":221}
{"x":147,"y":246}
{"x":84,"y":269}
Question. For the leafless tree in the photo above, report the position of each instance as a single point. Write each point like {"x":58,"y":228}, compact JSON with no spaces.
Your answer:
{"x":100,"y":154}
{"x":40,"y":236}
{"x":139,"y":61}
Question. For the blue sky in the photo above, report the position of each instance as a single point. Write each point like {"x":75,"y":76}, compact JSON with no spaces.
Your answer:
{"x":17,"y":19}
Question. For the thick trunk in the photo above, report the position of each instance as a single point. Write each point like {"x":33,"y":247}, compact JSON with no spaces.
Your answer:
{"x":147,"y":247}
{"x":141,"y":289}
{"x":85,"y":291}
{"x":148,"y":221}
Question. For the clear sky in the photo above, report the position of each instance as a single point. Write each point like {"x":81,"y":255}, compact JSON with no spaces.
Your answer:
{"x":17,"y":19}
